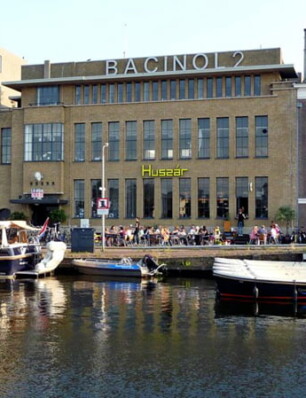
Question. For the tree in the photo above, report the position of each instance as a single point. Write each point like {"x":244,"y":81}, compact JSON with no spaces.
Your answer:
{"x":285,"y":214}
{"x":58,"y":216}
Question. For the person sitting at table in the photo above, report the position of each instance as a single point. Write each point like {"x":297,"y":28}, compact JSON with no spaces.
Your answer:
{"x":174,"y":236}
{"x":254,"y":235}
{"x":263,"y":233}
{"x":204,"y":235}
{"x":217,"y":235}
{"x":165,"y":236}
{"x":182,"y":235}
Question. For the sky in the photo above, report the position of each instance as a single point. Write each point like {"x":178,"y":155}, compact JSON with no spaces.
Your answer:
{"x":78,"y":30}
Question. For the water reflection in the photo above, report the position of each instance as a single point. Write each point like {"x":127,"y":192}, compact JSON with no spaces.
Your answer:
{"x":232,"y":307}
{"x":86,"y":337}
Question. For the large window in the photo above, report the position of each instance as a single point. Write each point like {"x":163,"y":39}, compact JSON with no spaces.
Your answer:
{"x":95,"y":194}
{"x":185,"y":138}
{"x":209,"y":87}
{"x":44,"y":142}
{"x":111,"y":93}
{"x":203,"y":198}
{"x":86,"y":94}
{"x":242,"y":137}
{"x":185,"y":197}
{"x":148,"y":197}
{"x":94,"y":94}
{"x":131,"y":141}
{"x":149,"y":139}
{"x":79,"y":198}
{"x":203,"y":138}
{"x":166,"y":198}
{"x":222,"y":137}
{"x":137,"y":91}
{"x":79,"y":142}
{"x":155,"y":96}
{"x":261,"y":136}
{"x":222,"y":197}
{"x":200,"y":88}
{"x":130,"y":198}
{"x":146,"y":91}
{"x":103,"y":94}
{"x":113,"y":141}
{"x":164,"y":90}
{"x":242,"y":194}
{"x":228,"y":86}
{"x":129,"y":92}
{"x":113,"y":192}
{"x":261,"y":197}
{"x":96,"y":139}
{"x":167,"y":139}
{"x":6,"y":145}
{"x":120,"y":92}
{"x":49,"y":95}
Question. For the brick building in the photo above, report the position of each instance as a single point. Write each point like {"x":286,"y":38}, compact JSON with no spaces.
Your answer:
{"x":191,"y":139}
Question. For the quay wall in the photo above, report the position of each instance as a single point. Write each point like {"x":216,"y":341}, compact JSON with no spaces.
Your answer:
{"x":192,"y":261}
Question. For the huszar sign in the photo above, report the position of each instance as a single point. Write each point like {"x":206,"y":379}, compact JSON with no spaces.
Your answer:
{"x":197,"y":62}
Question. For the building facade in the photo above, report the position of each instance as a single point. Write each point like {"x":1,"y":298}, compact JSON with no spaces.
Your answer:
{"x":185,"y":139}
{"x":10,"y":69}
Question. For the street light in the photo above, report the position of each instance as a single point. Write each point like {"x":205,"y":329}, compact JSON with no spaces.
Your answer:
{"x":103,"y":195}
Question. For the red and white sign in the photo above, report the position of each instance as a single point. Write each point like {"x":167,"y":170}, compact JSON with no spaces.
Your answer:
{"x":102,"y":206}
{"x":37,"y":193}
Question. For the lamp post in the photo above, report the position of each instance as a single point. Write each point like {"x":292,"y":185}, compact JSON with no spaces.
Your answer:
{"x":103,"y":194}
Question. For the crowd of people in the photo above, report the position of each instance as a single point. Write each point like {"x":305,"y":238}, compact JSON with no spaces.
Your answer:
{"x":136,"y":234}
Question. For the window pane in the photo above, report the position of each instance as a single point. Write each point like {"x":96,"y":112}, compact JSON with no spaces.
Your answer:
{"x":146,"y":91}
{"x":120,"y":92}
{"x":149,"y":139}
{"x":94,"y":94}
{"x":131,"y":141}
{"x":228,"y":86}
{"x":103,"y":94}
{"x":185,"y":138}
{"x":130,"y":198}
{"x":79,"y":198}
{"x":203,"y":198}
{"x":200,"y":88}
{"x":137,"y":92}
{"x":222,"y":197}
{"x":164,"y":90}
{"x":190,"y":88}
{"x":6,"y":145}
{"x":79,"y":142}
{"x":173,"y":89}
{"x":261,"y":195}
{"x":155,"y":91}
{"x":242,"y":194}
{"x":222,"y":137}
{"x":113,"y":141}
{"x":96,"y":139}
{"x":261,"y":136}
{"x":95,"y":194}
{"x":247,"y":85}
{"x":204,"y":138}
{"x":113,"y":194}
{"x":166,"y":198}
{"x":86,"y":94}
{"x":182,"y":89}
{"x":257,"y":85}
{"x":237,"y":86}
{"x":242,"y":137}
{"x":219,"y":81}
{"x":209,"y":88}
{"x":167,"y":139}
{"x":148,"y":198}
{"x":129,"y":92}
{"x":185,"y":198}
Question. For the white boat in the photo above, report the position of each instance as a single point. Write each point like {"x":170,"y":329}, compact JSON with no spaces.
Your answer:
{"x":255,"y":279}
{"x":21,"y":254}
{"x":146,"y":267}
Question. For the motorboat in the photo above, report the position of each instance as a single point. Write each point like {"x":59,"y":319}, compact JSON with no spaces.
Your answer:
{"x":260,"y":280}
{"x":21,"y":252}
{"x":125,"y":267}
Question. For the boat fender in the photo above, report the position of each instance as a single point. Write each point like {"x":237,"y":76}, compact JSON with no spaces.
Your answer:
{"x":255,"y":291}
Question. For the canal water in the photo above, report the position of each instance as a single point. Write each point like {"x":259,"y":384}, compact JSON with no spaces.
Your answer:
{"x":79,"y":337}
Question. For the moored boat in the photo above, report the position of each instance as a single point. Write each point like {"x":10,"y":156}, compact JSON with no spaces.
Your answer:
{"x":125,"y":267}
{"x":260,"y":280}
{"x":20,"y":251}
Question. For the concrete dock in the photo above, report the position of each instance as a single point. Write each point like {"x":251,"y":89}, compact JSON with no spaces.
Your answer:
{"x":192,"y":260}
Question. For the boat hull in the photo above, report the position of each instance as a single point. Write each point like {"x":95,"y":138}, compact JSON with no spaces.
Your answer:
{"x":108,"y":269}
{"x":17,"y":259}
{"x":260,"y":290}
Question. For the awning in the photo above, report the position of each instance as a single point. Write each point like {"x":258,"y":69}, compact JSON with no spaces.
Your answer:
{"x":46,"y":200}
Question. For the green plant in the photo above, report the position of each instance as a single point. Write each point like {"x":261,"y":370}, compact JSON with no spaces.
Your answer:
{"x":285,"y":214}
{"x":58,"y":216}
{"x":18,"y":215}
